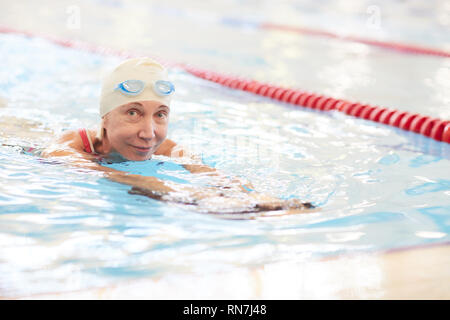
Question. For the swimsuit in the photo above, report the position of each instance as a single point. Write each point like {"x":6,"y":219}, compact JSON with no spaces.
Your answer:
{"x":87,"y":143}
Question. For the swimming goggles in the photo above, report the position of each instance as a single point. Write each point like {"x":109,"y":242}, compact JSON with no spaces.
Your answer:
{"x":134,"y":87}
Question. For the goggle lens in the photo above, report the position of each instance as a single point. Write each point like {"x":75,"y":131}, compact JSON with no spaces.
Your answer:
{"x":164,"y":88}
{"x":131,"y":87}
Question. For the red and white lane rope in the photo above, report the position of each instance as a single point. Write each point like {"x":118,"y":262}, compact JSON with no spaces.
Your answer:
{"x":428,"y":126}
{"x":402,"y":47}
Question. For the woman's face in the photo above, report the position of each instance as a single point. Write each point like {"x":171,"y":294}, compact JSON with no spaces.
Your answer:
{"x":136,"y":130}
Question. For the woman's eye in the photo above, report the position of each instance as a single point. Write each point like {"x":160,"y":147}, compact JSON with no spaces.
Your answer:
{"x":132,"y":113}
{"x":161,"y":115}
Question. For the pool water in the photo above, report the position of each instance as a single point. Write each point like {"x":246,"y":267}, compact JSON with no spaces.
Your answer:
{"x":65,"y":229}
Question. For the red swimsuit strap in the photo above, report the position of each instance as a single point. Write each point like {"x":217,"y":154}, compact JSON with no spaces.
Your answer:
{"x":84,"y":138}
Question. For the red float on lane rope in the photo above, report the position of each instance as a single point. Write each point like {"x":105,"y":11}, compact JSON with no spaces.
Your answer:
{"x":270,"y":91}
{"x":302,"y":98}
{"x":386,"y":116}
{"x":287,"y":95}
{"x":416,"y":124}
{"x":277,"y":94}
{"x":446,"y":133}
{"x":438,"y":130}
{"x":320,"y":103}
{"x":262,"y":90}
{"x":310,"y":101}
{"x":396,"y":118}
{"x":405,"y":123}
{"x":294,"y":97}
{"x":365,"y":113}
{"x":357,"y":110}
{"x":427,"y":126}
{"x":376,"y":114}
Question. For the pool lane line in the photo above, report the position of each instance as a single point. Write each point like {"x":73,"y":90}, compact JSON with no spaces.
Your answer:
{"x":430,"y":127}
{"x":400,"y":47}
{"x":396,"y":46}
{"x":256,"y":24}
{"x":267,"y":26}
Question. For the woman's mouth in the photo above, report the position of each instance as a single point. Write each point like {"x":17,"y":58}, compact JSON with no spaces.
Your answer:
{"x":142,"y":149}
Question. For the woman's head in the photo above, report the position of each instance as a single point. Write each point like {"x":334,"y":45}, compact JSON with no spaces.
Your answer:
{"x":134,"y":107}
{"x":136,"y":130}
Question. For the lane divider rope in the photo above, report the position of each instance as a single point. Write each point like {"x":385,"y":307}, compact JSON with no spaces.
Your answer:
{"x":401,"y":47}
{"x":428,"y":126}
{"x":434,"y":128}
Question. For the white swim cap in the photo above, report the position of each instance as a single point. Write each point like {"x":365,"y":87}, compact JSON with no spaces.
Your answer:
{"x":143,"y":72}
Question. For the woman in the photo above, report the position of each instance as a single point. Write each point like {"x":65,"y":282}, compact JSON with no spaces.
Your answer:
{"x":135,"y":108}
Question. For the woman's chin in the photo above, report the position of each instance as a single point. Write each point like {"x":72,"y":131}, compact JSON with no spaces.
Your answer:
{"x":139,"y":157}
{"x":132,"y":155}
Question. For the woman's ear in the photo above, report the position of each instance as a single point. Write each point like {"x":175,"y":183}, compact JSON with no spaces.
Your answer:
{"x":104,"y":120}
{"x":101,"y":130}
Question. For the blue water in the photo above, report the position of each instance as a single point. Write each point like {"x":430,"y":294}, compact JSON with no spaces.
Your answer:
{"x":165,"y":170}
{"x":64,"y":228}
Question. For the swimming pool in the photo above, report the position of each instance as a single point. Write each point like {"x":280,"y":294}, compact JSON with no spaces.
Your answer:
{"x":65,"y":229}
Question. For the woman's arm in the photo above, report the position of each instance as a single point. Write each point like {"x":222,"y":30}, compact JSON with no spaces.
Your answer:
{"x":170,"y":149}
{"x":217,"y":199}
{"x":259,"y":201}
{"x":70,"y":146}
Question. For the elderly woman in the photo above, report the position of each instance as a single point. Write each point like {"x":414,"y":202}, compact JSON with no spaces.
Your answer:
{"x":135,"y":108}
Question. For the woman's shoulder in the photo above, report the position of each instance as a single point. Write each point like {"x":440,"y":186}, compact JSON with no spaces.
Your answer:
{"x":72,"y":139}
{"x":63,"y":145}
{"x":170,"y":148}
{"x":166,"y":148}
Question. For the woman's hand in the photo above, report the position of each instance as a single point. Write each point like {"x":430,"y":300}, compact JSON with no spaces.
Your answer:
{"x":217,"y":200}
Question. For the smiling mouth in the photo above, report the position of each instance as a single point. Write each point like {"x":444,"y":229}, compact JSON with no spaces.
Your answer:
{"x":142,"y":149}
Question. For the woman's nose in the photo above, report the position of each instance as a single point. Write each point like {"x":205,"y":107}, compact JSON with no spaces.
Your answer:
{"x":147,"y":131}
